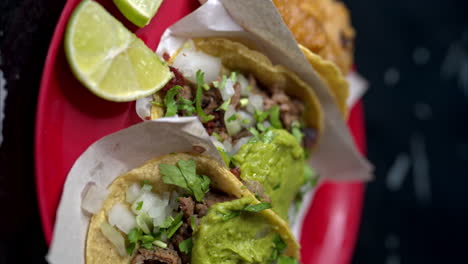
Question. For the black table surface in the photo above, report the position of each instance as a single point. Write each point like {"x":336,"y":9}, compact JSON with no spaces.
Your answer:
{"x":415,"y":56}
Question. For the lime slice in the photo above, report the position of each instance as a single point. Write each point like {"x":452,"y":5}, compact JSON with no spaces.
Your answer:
{"x":108,"y":59}
{"x":139,"y":12}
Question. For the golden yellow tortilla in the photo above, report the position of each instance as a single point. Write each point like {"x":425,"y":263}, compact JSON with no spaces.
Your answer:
{"x":99,"y":250}
{"x":332,"y":76}
{"x":237,"y":56}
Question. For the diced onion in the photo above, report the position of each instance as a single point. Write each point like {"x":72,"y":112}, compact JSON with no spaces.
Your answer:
{"x":233,"y":126}
{"x":114,"y":237}
{"x":121,"y":217}
{"x":227,"y":146}
{"x":244,"y":85}
{"x":247,"y":120}
{"x":216,"y":142}
{"x":255,"y":103}
{"x":143,"y":107}
{"x":239,"y":144}
{"x":148,"y":200}
{"x":228,"y":90}
{"x":188,"y":62}
{"x":93,"y":198}
{"x":133,"y":192}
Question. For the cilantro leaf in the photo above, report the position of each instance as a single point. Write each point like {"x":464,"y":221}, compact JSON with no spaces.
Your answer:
{"x":134,"y":235}
{"x":186,"y":246}
{"x":232,"y":118}
{"x":170,"y":102}
{"x":230,"y":215}
{"x":171,"y":174}
{"x":257,"y":207}
{"x":223,"y":82}
{"x":186,"y":105}
{"x":185,"y":176}
{"x":193,"y":222}
{"x":253,"y":131}
{"x":226,"y":157}
{"x":233,"y":76}
{"x":139,"y":205}
{"x":167,"y":222}
{"x":275,"y":117}
{"x":131,"y":248}
{"x":198,"y":98}
{"x":260,"y":116}
{"x":225,"y":105}
{"x":147,"y":239}
{"x":217,"y":136}
{"x":147,"y":245}
{"x":171,"y":231}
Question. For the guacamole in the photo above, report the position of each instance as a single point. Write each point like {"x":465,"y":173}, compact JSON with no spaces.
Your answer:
{"x":275,"y":160}
{"x":246,"y":237}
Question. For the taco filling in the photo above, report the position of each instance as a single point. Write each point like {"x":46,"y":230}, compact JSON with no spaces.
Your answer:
{"x":259,"y":128}
{"x":194,"y":222}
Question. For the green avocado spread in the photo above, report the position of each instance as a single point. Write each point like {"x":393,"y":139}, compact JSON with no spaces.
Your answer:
{"x":246,"y":237}
{"x":275,"y":160}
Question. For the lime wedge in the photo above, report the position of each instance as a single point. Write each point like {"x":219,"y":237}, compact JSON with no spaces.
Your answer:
{"x":108,"y":59}
{"x":139,"y":12}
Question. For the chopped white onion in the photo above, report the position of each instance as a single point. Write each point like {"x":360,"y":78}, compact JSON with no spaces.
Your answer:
{"x":121,"y":217}
{"x":228,"y":90}
{"x":244,"y":85}
{"x":239,"y":144}
{"x":255,"y":103}
{"x":133,"y":192}
{"x":188,"y":62}
{"x":147,"y":200}
{"x":266,"y":124}
{"x":247,"y":120}
{"x":233,"y":126}
{"x":143,"y":107}
{"x":227,"y":146}
{"x":93,"y":198}
{"x":114,"y":237}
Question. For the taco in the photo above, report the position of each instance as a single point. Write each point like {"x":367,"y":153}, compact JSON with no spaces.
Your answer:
{"x":326,"y":37}
{"x":262,"y":117}
{"x":185,"y":208}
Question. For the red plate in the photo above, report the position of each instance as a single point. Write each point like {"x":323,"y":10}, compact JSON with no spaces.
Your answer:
{"x":69,"y":119}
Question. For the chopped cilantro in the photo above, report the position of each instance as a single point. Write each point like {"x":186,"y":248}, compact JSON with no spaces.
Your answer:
{"x":246,"y":121}
{"x":260,"y":116}
{"x":198,"y":98}
{"x":261,"y":127}
{"x":186,"y":105}
{"x":184,"y":175}
{"x":170,"y":101}
{"x":253,"y":131}
{"x":257,"y":207}
{"x":186,"y":246}
{"x":225,"y":105}
{"x":223,"y":83}
{"x":134,"y":235}
{"x":279,"y":246}
{"x":147,"y":239}
{"x":147,"y":245}
{"x":230,"y":215}
{"x":139,"y":205}
{"x":244,"y":102}
{"x":131,"y":248}
{"x":171,"y":231}
{"x":167,"y":222}
{"x":233,"y":76}
{"x":206,"y":87}
{"x":193,"y":222}
{"x":216,"y":84}
{"x":275,"y":117}
{"x":296,"y":131}
{"x":232,"y":118}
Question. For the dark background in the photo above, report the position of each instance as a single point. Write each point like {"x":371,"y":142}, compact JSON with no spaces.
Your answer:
{"x":415,"y":56}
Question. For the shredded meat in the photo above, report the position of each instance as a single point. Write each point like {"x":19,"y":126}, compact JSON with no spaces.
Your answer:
{"x":211,"y":100}
{"x":212,"y":198}
{"x":187,"y":205}
{"x":235,"y":99}
{"x":177,"y":80}
{"x":216,"y":124}
{"x":290,"y":109}
{"x":157,"y":256}
{"x":186,"y":93}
